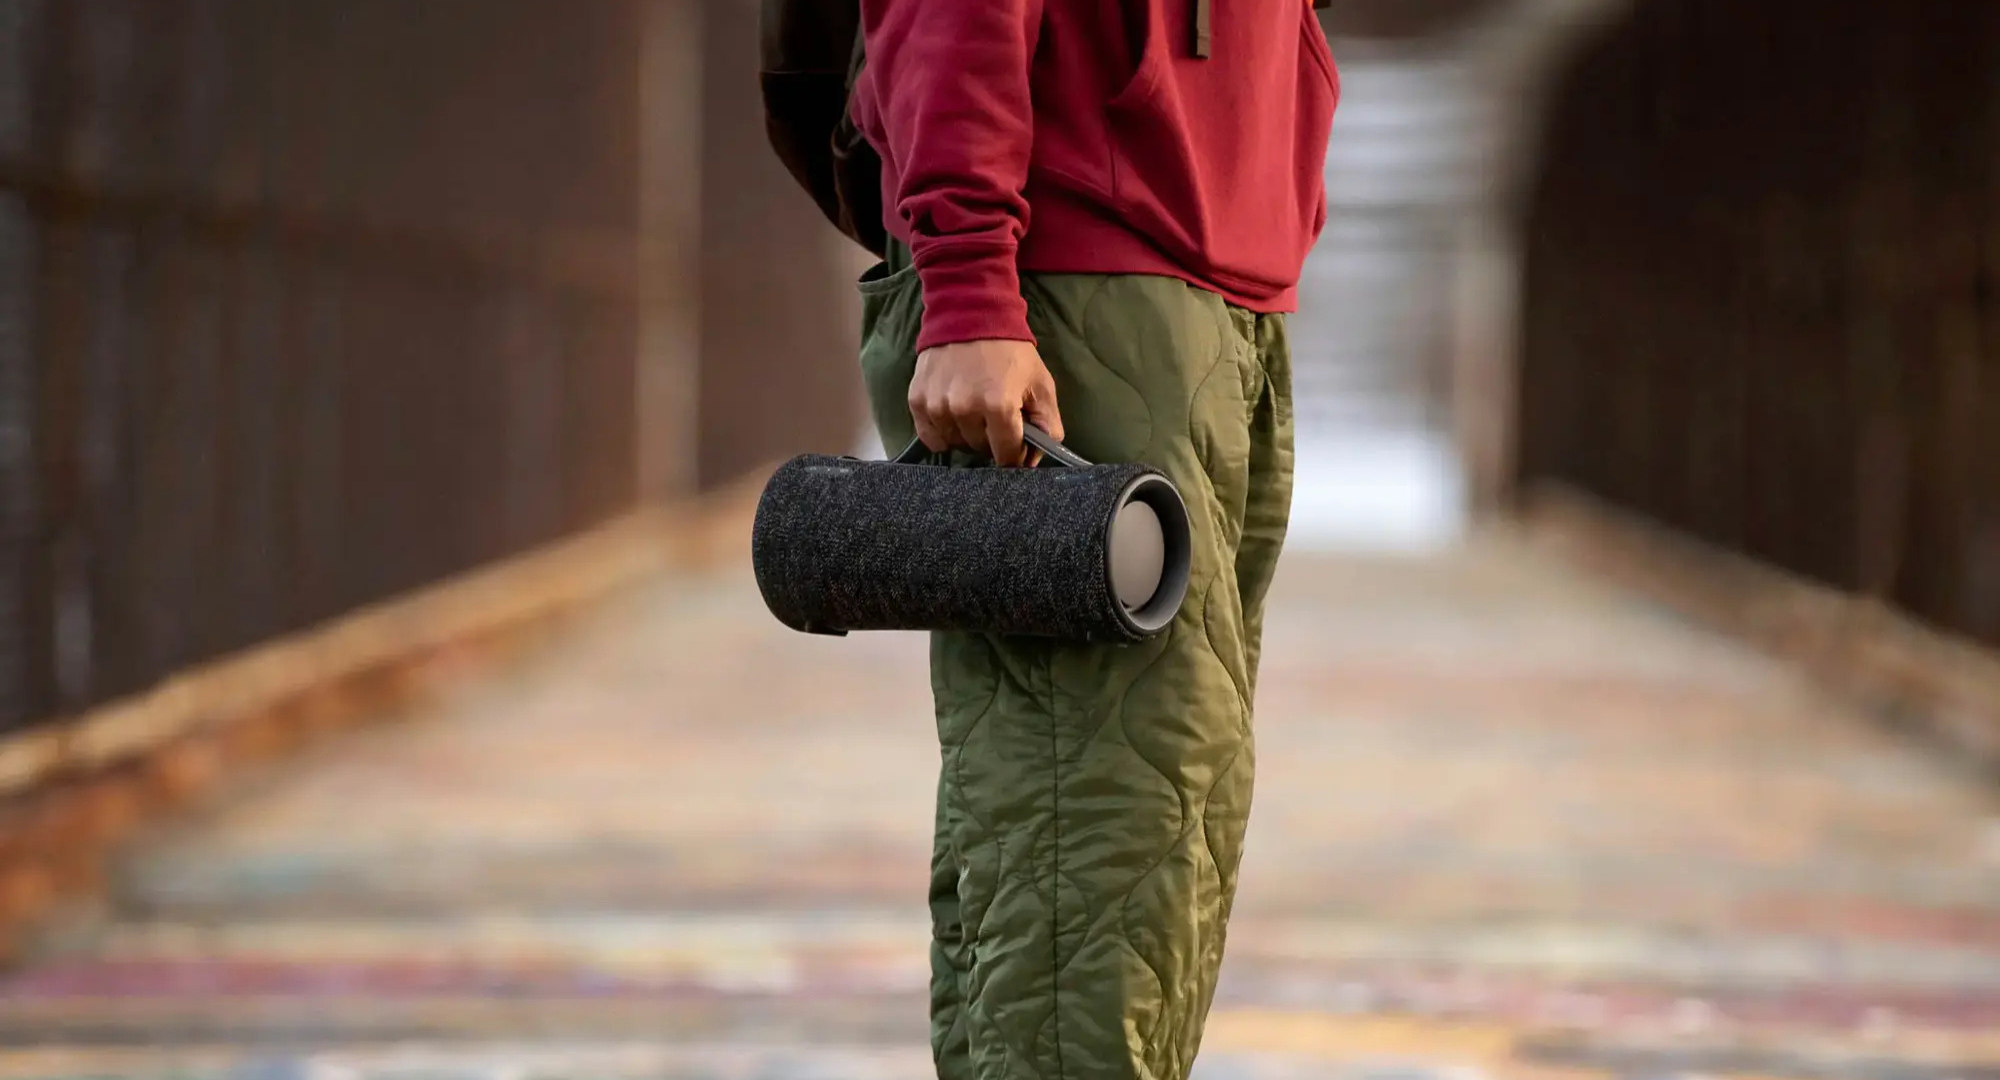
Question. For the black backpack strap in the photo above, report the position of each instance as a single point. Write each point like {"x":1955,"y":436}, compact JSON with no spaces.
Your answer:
{"x":1201,"y":29}
{"x":857,"y":168}
{"x":856,"y":57}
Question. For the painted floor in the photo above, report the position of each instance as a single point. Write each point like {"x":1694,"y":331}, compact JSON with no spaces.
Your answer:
{"x":1509,"y":824}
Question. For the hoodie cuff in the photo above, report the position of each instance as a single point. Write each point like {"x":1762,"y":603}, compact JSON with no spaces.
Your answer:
{"x":972,"y":292}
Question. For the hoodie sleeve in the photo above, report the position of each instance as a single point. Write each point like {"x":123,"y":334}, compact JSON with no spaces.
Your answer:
{"x":956,"y":114}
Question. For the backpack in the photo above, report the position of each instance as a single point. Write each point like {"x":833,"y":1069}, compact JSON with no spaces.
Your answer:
{"x":811,"y":54}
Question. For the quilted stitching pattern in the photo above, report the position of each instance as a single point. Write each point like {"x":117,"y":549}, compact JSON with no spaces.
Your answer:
{"x":1092,"y":801}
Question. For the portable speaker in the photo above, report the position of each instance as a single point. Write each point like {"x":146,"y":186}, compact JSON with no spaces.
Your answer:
{"x":1070,"y":550}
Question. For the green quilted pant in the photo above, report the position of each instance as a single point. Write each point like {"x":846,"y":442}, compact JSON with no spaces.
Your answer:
{"x":1092,"y":800}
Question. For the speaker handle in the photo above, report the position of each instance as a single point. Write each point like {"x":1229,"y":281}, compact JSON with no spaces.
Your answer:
{"x":1053,"y":451}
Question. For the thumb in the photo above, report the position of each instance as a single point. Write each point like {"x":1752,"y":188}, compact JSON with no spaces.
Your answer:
{"x":1040,"y":409}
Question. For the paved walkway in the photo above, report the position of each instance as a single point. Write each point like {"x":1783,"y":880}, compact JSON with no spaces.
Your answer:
{"x":1508,"y":824}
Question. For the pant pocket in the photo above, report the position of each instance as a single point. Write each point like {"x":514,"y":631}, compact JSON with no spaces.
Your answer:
{"x":892,"y":313}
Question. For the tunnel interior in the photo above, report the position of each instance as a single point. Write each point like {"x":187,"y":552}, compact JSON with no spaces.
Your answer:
{"x":1758,"y":294}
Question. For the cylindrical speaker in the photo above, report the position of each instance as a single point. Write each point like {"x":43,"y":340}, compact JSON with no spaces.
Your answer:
{"x":1081,"y":552}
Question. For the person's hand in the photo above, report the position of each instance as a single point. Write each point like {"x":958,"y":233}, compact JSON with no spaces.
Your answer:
{"x":975,"y":395}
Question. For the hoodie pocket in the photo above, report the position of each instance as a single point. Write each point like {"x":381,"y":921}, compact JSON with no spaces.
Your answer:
{"x":1219,"y":161}
{"x":1155,"y":180}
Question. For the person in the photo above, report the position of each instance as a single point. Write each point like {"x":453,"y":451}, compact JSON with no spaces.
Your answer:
{"x":1099,"y":211}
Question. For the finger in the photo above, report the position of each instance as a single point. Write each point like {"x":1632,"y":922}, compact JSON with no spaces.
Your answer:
{"x":1042,"y":412}
{"x":936,"y":437}
{"x":968,"y":423}
{"x":1003,"y":432}
{"x":933,"y":437}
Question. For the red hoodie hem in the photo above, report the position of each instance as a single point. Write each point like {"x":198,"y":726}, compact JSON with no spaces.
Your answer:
{"x":1073,"y":237}
{"x":971,"y":290}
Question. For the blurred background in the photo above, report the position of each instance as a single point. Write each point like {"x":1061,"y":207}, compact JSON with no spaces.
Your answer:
{"x":384,"y":385}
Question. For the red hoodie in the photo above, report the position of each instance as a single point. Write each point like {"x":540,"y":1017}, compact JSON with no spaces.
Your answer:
{"x":1089,"y":136}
